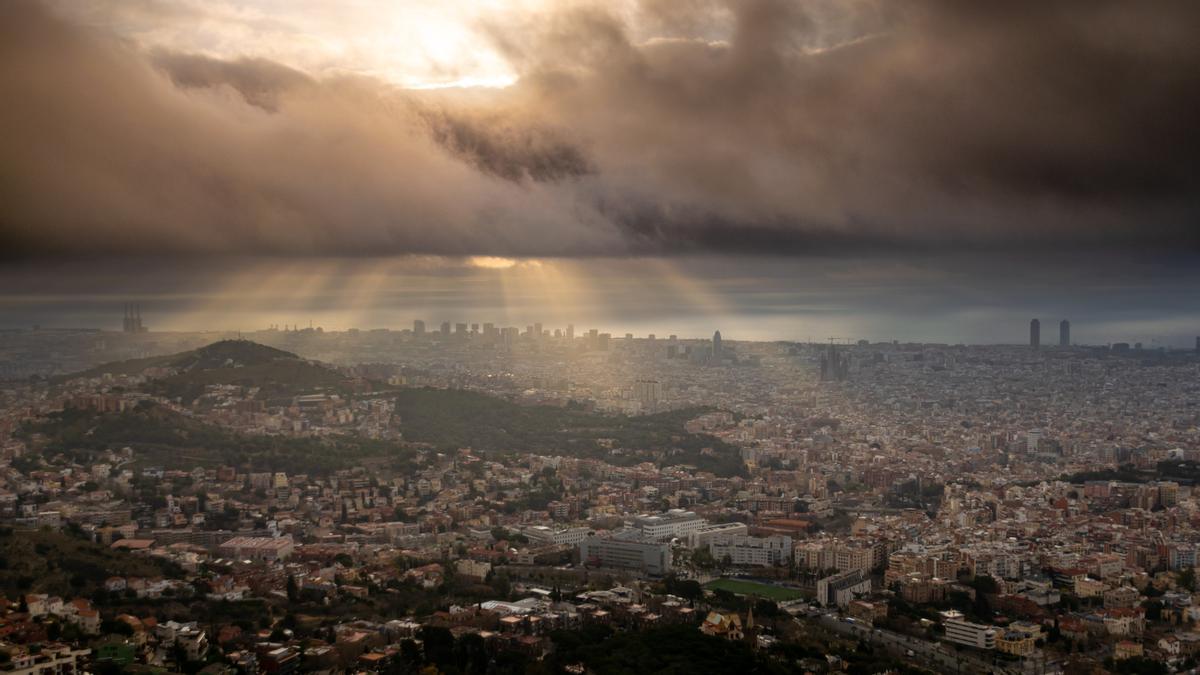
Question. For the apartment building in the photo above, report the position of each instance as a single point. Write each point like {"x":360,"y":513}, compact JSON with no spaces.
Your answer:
{"x":963,"y":632}
{"x":841,"y":588}
{"x":626,"y":551}
{"x":748,"y":551}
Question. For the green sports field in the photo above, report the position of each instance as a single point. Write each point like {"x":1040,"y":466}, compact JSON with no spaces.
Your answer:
{"x":742,"y":587}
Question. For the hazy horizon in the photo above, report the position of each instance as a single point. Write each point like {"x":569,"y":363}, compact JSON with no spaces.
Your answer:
{"x":761,"y":298}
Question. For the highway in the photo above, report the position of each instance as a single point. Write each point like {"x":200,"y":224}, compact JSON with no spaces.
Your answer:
{"x":936,"y":655}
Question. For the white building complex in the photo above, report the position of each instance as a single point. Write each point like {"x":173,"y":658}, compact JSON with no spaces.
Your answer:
{"x":704,"y":536}
{"x":752,"y":551}
{"x":626,"y":550}
{"x":675,"y":523}
{"x":540,"y":534}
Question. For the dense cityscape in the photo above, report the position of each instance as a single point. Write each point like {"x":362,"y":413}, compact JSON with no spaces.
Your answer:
{"x":599,"y":337}
{"x":468,"y":498}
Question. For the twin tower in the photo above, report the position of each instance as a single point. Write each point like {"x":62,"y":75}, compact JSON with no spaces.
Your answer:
{"x":133,"y":319}
{"x":1035,"y":334}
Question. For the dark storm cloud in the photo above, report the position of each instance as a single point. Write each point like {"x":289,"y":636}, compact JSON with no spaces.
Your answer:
{"x":748,"y":125}
{"x":259,"y":81}
{"x":490,"y":141}
{"x":944,"y":123}
{"x":512,"y":151}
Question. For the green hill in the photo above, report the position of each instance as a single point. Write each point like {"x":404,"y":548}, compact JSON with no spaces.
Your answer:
{"x":274,"y":372}
{"x":451,"y":418}
{"x":61,"y":564}
{"x":447,"y":419}
{"x":230,"y":354}
{"x":162,"y":437}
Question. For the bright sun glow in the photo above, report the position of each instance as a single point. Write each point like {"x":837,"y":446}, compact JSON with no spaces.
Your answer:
{"x":415,"y":44}
{"x":451,"y":50}
{"x":492,"y":262}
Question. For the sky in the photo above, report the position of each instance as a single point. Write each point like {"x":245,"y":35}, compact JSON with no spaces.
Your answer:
{"x":929,"y":170}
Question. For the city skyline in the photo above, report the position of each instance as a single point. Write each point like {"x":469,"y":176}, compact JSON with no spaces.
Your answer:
{"x":471,"y":328}
{"x":778,"y":300}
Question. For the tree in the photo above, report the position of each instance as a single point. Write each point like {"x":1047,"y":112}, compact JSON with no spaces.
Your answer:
{"x":471,"y":654}
{"x":410,"y":653}
{"x":439,"y":646}
{"x":501,"y":585}
{"x":985,"y":584}
{"x":1187,"y":579}
{"x":1153,"y":609}
{"x":688,"y":589}
{"x":118,"y":627}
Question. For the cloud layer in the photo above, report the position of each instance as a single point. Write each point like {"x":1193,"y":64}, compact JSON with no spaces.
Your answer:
{"x":670,"y":125}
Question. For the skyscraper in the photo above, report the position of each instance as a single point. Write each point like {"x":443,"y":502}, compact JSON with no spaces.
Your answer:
{"x":133,"y":319}
{"x":1035,"y":334}
{"x":716,"y":345}
{"x":418,"y":327}
{"x":1064,"y":333}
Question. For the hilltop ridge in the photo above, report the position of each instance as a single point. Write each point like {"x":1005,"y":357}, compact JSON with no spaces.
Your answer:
{"x":220,"y":354}
{"x":230,"y":354}
{"x":244,"y":363}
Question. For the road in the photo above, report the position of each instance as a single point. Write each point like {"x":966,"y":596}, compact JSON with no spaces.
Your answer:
{"x":936,"y":655}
